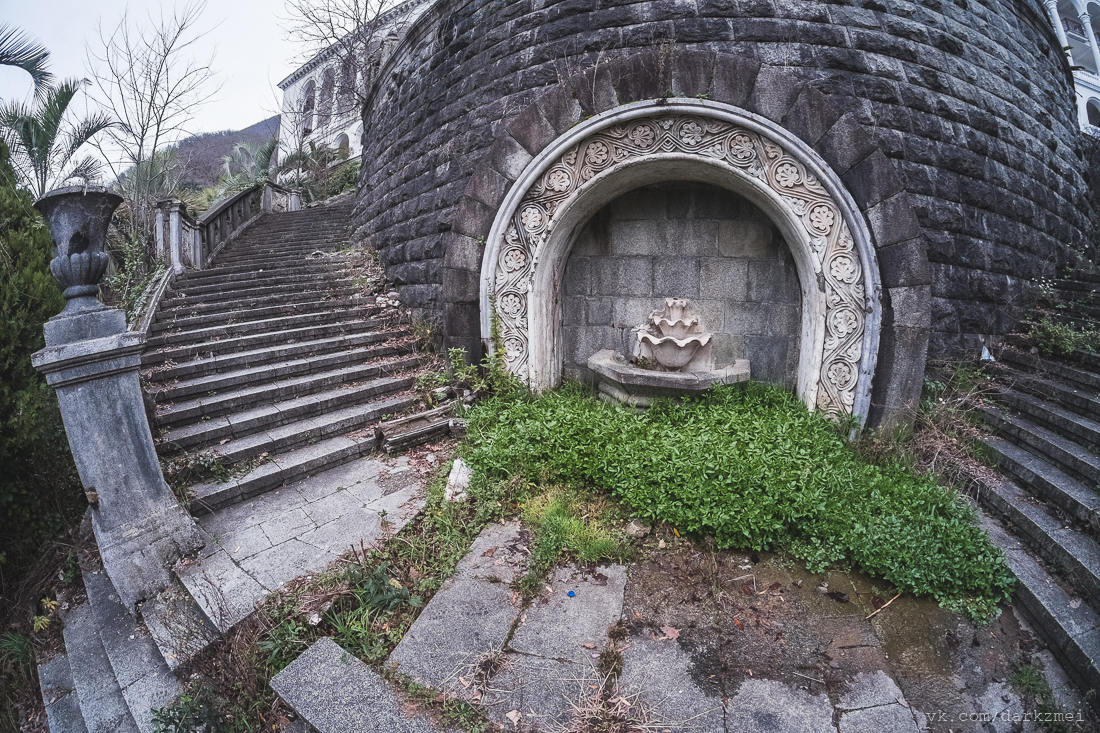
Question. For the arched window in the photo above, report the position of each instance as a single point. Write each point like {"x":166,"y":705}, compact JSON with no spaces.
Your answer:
{"x":309,"y":102}
{"x":324,"y":103}
{"x":1093,"y":108}
{"x":343,"y":145}
{"x":346,"y":96}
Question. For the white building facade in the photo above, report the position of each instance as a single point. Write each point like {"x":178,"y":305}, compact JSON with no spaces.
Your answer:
{"x":1077,"y":23}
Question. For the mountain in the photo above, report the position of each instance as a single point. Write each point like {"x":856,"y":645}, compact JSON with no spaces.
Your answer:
{"x":202,"y":154}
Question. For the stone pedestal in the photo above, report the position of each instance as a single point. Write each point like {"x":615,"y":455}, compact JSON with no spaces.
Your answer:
{"x":92,"y":362}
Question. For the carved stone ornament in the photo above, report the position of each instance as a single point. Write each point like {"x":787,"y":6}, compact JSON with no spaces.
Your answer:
{"x":748,"y":153}
{"x":77,"y":218}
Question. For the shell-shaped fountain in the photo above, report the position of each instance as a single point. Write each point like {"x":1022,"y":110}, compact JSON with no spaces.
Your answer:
{"x":672,"y":336}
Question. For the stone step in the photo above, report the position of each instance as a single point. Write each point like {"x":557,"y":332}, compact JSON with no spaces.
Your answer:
{"x":139,"y":670}
{"x":1076,"y":400}
{"x":178,"y":626}
{"x":102,"y":704}
{"x":337,"y":693}
{"x":288,"y":282}
{"x":1077,"y":555}
{"x":259,"y":271}
{"x":1064,"y":453}
{"x":184,"y":323}
{"x":176,"y":300}
{"x":1080,"y":378}
{"x":210,"y":433}
{"x":267,"y":355}
{"x":1046,"y":481}
{"x":327,"y":263}
{"x":1071,"y":630}
{"x":269,"y":242}
{"x":59,"y":695}
{"x":280,"y":439}
{"x":279,"y":470}
{"x":1068,"y":424}
{"x":283,"y":389}
{"x":227,"y":306}
{"x":261,"y":325}
{"x":1088,"y":277}
{"x":175,"y":391}
{"x":211,"y":349}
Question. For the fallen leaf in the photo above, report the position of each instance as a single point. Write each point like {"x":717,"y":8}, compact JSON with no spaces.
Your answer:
{"x":661,"y":545}
{"x":588,"y":645}
{"x":747,"y":588}
{"x":877,"y":602}
{"x":464,"y":682}
{"x":670,"y":633}
{"x":740,"y":625}
{"x":224,"y":441}
{"x":1075,"y":603}
{"x":637,"y":614}
{"x":489,"y":552}
{"x":514,"y":716}
{"x":775,"y":589}
{"x":838,"y":596}
{"x":902,"y":702}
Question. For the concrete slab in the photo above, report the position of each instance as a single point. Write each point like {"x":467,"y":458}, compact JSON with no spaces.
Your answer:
{"x":470,"y":616}
{"x":869,"y":690}
{"x":764,"y":706}
{"x":557,"y":625}
{"x":178,"y":626}
{"x":658,"y":675}
{"x":337,"y":693}
{"x":59,"y":695}
{"x":893,"y":718}
{"x":273,"y":567}
{"x":543,"y":691}
{"x":225,"y":592}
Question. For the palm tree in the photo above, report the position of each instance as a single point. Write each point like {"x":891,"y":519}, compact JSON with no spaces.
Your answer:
{"x":17,"y":49}
{"x":43,"y":144}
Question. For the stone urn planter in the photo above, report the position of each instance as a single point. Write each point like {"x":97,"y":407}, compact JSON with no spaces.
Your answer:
{"x":78,"y":218}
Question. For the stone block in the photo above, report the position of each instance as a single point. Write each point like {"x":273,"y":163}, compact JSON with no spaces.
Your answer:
{"x":473,"y":218}
{"x":487,"y":186}
{"x":462,"y":321}
{"x":769,"y":357}
{"x":893,"y":221}
{"x":845,"y":144}
{"x":532,"y":130}
{"x":595,"y":90}
{"x":811,"y":115}
{"x":734,"y":78}
{"x":598,"y":311}
{"x":560,"y":108}
{"x":899,"y":375}
{"x":728,"y":348}
{"x":669,"y":238}
{"x":461,"y":286}
{"x":872,"y":180}
{"x":774,"y":92}
{"x":621,"y":276}
{"x":724,"y":278}
{"x":692,"y":73}
{"x":911,"y":306}
{"x":904,"y":264}
{"x":676,"y":277}
{"x":508,"y":157}
{"x":641,"y":204}
{"x":773,"y":281}
{"x":644,"y":75}
{"x":573,"y":310}
{"x":754,"y":237}
{"x":577,"y":280}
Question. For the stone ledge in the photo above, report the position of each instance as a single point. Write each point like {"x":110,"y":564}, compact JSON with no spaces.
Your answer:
{"x":637,"y":387}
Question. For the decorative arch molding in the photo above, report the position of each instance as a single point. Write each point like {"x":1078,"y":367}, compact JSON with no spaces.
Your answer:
{"x":684,"y":139}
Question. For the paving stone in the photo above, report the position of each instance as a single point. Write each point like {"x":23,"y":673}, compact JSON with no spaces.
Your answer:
{"x":556,"y":625}
{"x":893,"y":718}
{"x":869,"y":690}
{"x":763,"y":706}
{"x":273,"y":567}
{"x":543,"y":691}
{"x":59,"y":695}
{"x":659,"y":674}
{"x":178,"y":626}
{"x":337,"y":693}
{"x":226,"y":592}
{"x":470,"y":616}
{"x":286,"y":526}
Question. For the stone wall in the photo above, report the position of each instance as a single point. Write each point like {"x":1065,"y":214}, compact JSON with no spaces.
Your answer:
{"x":684,"y":240}
{"x":968,"y":106}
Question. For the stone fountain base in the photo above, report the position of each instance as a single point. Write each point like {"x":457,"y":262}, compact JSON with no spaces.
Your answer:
{"x":621,"y":382}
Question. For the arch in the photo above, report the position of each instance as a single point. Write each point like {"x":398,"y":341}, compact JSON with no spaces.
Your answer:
{"x":324,"y":102}
{"x":309,"y":103}
{"x":685,"y":139}
{"x":348,"y":78}
{"x":343,"y":145}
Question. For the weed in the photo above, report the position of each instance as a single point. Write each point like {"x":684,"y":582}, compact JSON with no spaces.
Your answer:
{"x":1034,"y":688}
{"x":1052,"y":338}
{"x":755,"y":469}
{"x":195,"y":711}
{"x":380,"y":591}
{"x":610,"y":662}
{"x":567,"y":522}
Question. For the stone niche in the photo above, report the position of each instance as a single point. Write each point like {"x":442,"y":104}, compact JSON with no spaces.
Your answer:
{"x":684,"y":240}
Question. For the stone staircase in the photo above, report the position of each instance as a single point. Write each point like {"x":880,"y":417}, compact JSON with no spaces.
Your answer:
{"x":1046,"y":424}
{"x":269,"y":372}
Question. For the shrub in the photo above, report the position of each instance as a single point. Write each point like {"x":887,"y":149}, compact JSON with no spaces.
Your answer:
{"x":752,"y":467}
{"x":37,"y":485}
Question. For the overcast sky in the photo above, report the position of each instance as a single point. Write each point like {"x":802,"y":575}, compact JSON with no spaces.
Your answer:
{"x":251,"y":57}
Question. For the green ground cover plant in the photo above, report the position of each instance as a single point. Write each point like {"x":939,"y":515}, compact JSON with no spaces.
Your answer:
{"x":752,"y":467}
